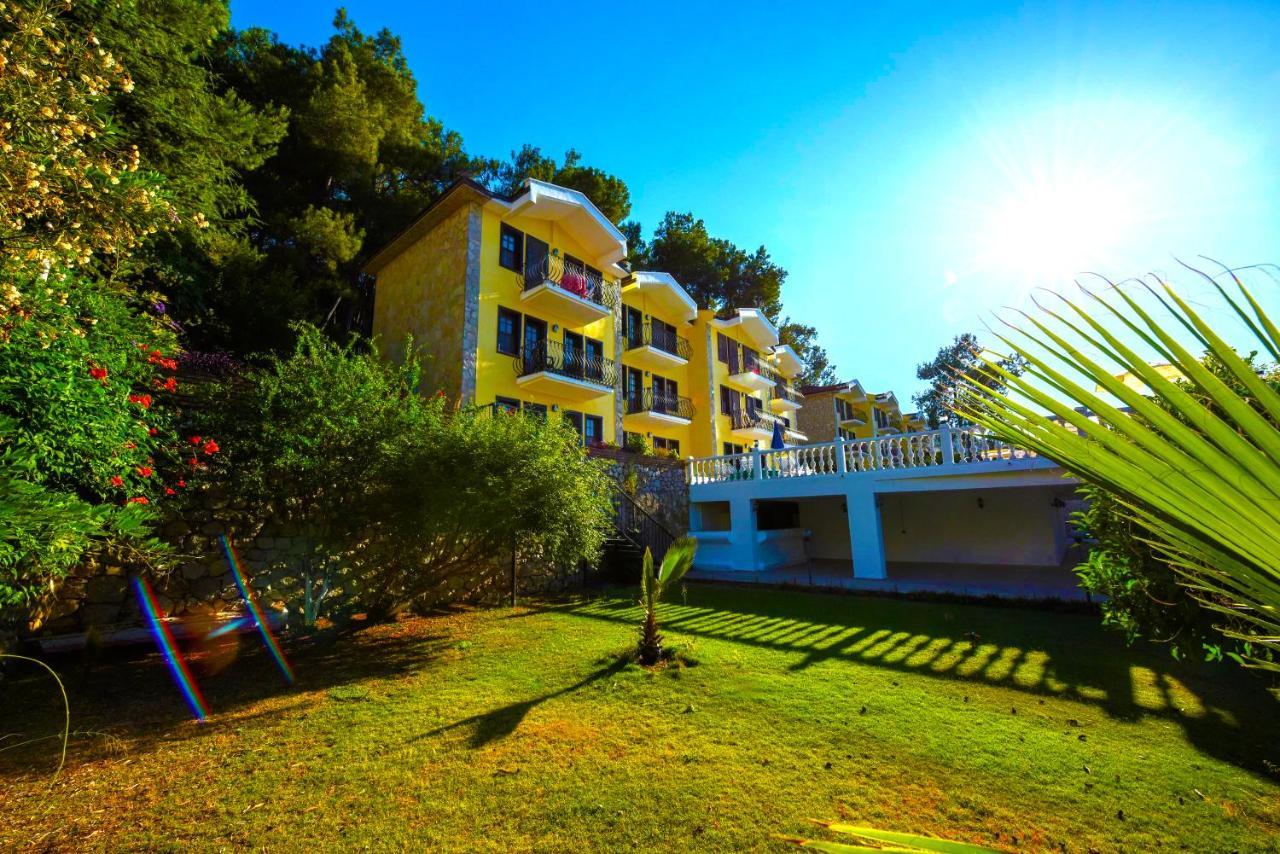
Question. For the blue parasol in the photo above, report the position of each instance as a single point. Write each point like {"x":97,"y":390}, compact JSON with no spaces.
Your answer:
{"x":777,"y":443}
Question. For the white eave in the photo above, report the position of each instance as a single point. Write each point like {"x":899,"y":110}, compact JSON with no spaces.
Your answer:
{"x":787,"y":359}
{"x":758,"y":328}
{"x":854,"y":392}
{"x":576,"y":212}
{"x":664,"y":290}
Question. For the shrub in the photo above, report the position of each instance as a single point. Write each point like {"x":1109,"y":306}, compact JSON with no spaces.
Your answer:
{"x":402,"y":500}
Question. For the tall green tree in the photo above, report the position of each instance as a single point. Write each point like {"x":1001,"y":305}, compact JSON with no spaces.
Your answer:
{"x":359,"y":161}
{"x":607,"y":192}
{"x":956,"y":365}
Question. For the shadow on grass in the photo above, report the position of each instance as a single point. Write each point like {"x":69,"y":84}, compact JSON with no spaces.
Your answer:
{"x":501,"y":722}
{"x":1024,"y":649}
{"x":127,"y":697}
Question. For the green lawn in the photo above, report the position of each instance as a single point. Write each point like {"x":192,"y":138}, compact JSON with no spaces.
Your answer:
{"x":514,"y":730}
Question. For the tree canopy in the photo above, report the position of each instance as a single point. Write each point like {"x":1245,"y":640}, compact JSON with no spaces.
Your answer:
{"x":954,"y":365}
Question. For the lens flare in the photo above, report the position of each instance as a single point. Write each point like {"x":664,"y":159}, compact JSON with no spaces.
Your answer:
{"x":251,"y":601}
{"x":164,"y":640}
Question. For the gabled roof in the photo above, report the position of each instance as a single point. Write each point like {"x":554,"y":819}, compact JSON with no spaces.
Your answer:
{"x":788,"y":360}
{"x":536,"y":199}
{"x":663,"y":288}
{"x":753,"y":321}
{"x":851,"y":389}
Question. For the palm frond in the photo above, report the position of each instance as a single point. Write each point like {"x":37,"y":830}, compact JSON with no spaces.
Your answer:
{"x":1196,"y":462}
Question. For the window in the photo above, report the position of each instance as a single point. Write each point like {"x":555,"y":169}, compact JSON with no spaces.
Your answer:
{"x":538,"y":410}
{"x":882,"y":418}
{"x":723,"y":346}
{"x":593,"y":431}
{"x":594,"y":352}
{"x":508,"y":331}
{"x":509,"y":405}
{"x":633,"y":388}
{"x":511,"y":248}
{"x":730,"y":448}
{"x":671,"y":446}
{"x":633,"y":326}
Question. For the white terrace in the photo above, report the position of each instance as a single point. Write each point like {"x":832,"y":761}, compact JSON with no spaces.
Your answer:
{"x":945,"y":509}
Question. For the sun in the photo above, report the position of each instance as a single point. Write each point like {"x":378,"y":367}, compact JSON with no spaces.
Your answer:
{"x":1049,"y":229}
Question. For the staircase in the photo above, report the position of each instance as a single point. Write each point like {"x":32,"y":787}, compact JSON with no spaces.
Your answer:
{"x":634,"y":530}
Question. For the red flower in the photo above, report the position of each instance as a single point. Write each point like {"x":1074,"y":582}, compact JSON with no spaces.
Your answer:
{"x":145,"y":471}
{"x":98,"y":373}
{"x":171,"y":384}
{"x":117,"y":480}
{"x":195,"y":440}
{"x":440,"y":393}
{"x":211,"y":447}
{"x":193,"y":462}
{"x":152,"y":431}
{"x":143,"y":400}
{"x":182,"y":483}
{"x":169,"y":490}
{"x":140,"y":499}
{"x":129,"y":446}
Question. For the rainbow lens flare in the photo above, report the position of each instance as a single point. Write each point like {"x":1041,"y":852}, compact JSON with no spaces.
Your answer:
{"x":251,"y":601}
{"x":164,"y":640}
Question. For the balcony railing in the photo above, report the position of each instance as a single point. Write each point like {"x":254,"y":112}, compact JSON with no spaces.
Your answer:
{"x":665,"y":404}
{"x":551,"y":357}
{"x":571,"y":278}
{"x":661,"y":338}
{"x":785,"y":391}
{"x":745,"y":420}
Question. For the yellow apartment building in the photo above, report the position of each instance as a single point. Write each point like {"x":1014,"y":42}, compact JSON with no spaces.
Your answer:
{"x":744,"y":382}
{"x":657,"y":391}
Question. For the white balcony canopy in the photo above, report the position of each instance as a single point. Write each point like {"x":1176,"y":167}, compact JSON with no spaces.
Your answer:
{"x":788,"y":360}
{"x":666,"y":293}
{"x":758,"y":328}
{"x":575,"y":211}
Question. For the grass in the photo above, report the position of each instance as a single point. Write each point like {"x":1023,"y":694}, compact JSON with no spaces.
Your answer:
{"x":526,"y":729}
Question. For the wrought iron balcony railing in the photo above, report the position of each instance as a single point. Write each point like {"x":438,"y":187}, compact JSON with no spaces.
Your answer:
{"x":666,"y":404}
{"x":785,"y":391}
{"x":553,"y":358}
{"x":744,"y":420}
{"x":648,"y":335}
{"x":572,"y":278}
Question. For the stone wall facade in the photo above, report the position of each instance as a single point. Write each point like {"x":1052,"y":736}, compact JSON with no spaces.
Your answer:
{"x":660,"y":485}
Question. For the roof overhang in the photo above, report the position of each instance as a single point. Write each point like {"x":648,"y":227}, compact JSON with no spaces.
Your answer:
{"x":788,"y":360}
{"x":573,"y":210}
{"x":757,"y":327}
{"x":665,"y":291}
{"x":853,"y":392}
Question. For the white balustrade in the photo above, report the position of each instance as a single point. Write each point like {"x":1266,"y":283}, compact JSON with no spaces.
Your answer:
{"x":928,"y":449}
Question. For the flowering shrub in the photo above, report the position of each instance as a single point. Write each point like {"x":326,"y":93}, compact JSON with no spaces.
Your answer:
{"x":86,"y":429}
{"x":67,"y":187}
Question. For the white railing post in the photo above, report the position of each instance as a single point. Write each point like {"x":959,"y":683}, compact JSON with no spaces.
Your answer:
{"x":757,"y":458}
{"x":877,"y":462}
{"x":948,"y":447}
{"x":842,"y":467}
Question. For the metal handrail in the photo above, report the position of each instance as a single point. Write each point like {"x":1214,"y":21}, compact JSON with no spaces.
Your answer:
{"x":659,"y":337}
{"x":757,"y":420}
{"x":637,"y":526}
{"x":667,"y":404}
{"x":550,"y":356}
{"x":785,"y":391}
{"x":572,"y":278}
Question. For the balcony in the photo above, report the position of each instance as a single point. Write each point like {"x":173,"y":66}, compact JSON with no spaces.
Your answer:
{"x":547,"y":368}
{"x":749,"y":427}
{"x":657,"y":411}
{"x":752,"y":375}
{"x":573,"y":293}
{"x":656,"y":348}
{"x":785,"y":398}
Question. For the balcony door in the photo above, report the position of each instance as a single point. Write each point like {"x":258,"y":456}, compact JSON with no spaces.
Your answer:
{"x":665,"y":395}
{"x":633,"y":325}
{"x":574,"y":358}
{"x":633,"y":389}
{"x":535,"y":345}
{"x":536,"y":253}
{"x":594,"y":352}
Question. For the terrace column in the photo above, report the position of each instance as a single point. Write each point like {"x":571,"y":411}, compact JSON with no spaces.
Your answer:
{"x":866,"y":536}
{"x":742,"y":526}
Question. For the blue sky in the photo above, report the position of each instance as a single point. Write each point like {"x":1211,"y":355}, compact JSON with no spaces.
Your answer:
{"x":914,"y":167}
